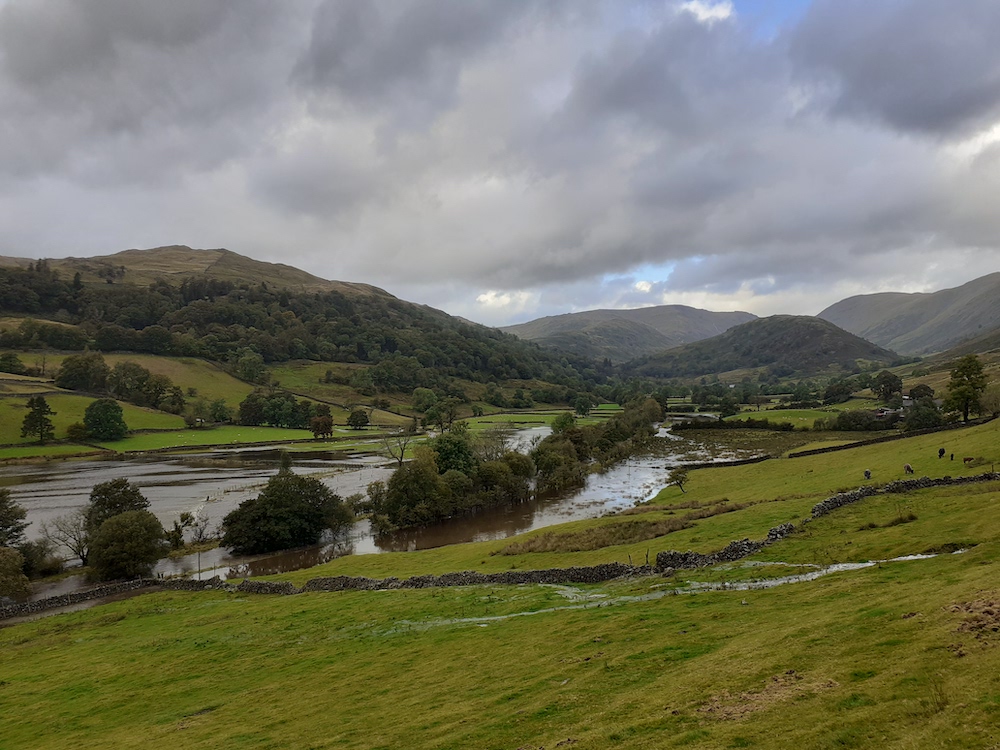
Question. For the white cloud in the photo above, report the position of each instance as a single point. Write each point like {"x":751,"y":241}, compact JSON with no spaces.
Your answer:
{"x":708,"y":13}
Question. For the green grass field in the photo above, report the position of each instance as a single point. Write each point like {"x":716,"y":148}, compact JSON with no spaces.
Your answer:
{"x":207,"y":379}
{"x":69,"y":408}
{"x":221,"y":436}
{"x":898,"y":655}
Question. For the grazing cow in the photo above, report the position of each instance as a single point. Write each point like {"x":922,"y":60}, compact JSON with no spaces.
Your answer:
{"x":940,"y":452}
{"x":868,"y":474}
{"x":907,"y":468}
{"x":968,"y":460}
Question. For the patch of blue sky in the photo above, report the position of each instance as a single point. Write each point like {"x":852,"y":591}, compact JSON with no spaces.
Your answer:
{"x":769,"y":17}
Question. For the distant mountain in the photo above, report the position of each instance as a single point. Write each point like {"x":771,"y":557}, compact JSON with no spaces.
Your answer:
{"x":620,"y":335}
{"x":921,"y":323}
{"x":174,"y":263}
{"x":789,"y":344}
{"x":984,"y":343}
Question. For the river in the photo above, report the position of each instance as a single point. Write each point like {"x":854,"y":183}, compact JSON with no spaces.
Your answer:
{"x":215,"y":482}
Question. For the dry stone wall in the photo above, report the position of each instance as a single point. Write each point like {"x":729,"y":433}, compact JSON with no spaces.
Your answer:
{"x":666,"y":562}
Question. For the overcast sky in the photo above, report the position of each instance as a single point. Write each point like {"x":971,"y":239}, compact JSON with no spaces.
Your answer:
{"x":507,"y":159}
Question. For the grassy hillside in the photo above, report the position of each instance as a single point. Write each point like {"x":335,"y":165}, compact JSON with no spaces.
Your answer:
{"x":69,"y":408}
{"x":921,"y":323}
{"x":790,"y":343}
{"x":897,"y":655}
{"x":178,"y":262}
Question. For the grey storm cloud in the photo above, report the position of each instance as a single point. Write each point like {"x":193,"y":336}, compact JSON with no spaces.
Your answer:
{"x":500,"y":159}
{"x":925,"y":65}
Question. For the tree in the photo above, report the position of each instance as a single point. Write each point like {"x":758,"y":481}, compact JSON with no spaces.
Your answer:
{"x":10,"y":362}
{"x":69,"y":532}
{"x":966,"y":386}
{"x":126,"y":546}
{"x":12,"y":523}
{"x":358,"y":419}
{"x":582,"y":405}
{"x":13,"y":582}
{"x":990,"y":399}
{"x":83,"y":372}
{"x":321,"y":427}
{"x":109,"y":499}
{"x":104,"y":420}
{"x":37,"y":422}
{"x":678,"y":476}
{"x":396,"y":443}
{"x":291,"y":511}
{"x":923,"y":416}
{"x":562,"y":422}
{"x":921,"y":391}
{"x":886,"y":384}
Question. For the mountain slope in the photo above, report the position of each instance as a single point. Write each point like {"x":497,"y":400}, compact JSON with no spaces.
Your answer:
{"x":788,"y":343}
{"x":921,"y":323}
{"x":624,"y":334}
{"x":174,"y":263}
{"x":224,"y":307}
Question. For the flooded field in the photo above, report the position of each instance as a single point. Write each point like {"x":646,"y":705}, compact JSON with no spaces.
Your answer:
{"x":214,"y":483}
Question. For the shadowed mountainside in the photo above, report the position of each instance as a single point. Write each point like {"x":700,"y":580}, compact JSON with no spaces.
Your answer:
{"x":620,"y":335}
{"x":921,"y":323}
{"x":789,"y":343}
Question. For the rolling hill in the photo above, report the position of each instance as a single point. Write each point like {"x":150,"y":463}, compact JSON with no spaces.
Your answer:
{"x":921,"y":323}
{"x":221,"y":306}
{"x":620,"y":335}
{"x":175,"y":263}
{"x":790,"y":344}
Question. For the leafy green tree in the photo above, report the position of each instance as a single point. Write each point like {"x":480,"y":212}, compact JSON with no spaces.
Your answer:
{"x":921,"y":391}
{"x":454,"y":451}
{"x":13,"y":582}
{"x":105,"y":420}
{"x":423,"y":399}
{"x":678,"y":477}
{"x":321,"y":427}
{"x":989,"y":401}
{"x":582,"y":406}
{"x":83,"y":372}
{"x":291,"y":511}
{"x":886,"y":384}
{"x":358,"y":419}
{"x":112,"y":498}
{"x":10,"y":362}
{"x":36,"y":421}
{"x":126,"y":546}
{"x":248,"y":365}
{"x":12,"y":523}
{"x":967,"y":383}
{"x":922,"y":417}
{"x":562,"y":422}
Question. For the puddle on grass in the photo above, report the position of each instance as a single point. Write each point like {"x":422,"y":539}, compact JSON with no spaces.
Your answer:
{"x":585,"y":600}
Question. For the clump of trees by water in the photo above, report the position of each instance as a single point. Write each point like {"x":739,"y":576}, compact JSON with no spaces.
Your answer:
{"x":458,"y":472}
{"x":565,"y":457}
{"x":114,"y":535}
{"x":291,"y":511}
{"x":454,"y":473}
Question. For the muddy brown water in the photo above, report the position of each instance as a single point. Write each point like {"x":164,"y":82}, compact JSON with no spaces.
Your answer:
{"x":216,"y":482}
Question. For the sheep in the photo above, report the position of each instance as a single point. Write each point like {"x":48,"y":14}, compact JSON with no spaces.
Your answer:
{"x":868,"y":474}
{"x":907,"y":468}
{"x":940,"y":452}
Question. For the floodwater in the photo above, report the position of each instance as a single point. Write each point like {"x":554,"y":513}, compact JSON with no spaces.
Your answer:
{"x":215,"y":482}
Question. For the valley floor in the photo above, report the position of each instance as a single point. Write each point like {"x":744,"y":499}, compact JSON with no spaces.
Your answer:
{"x":900,"y":654}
